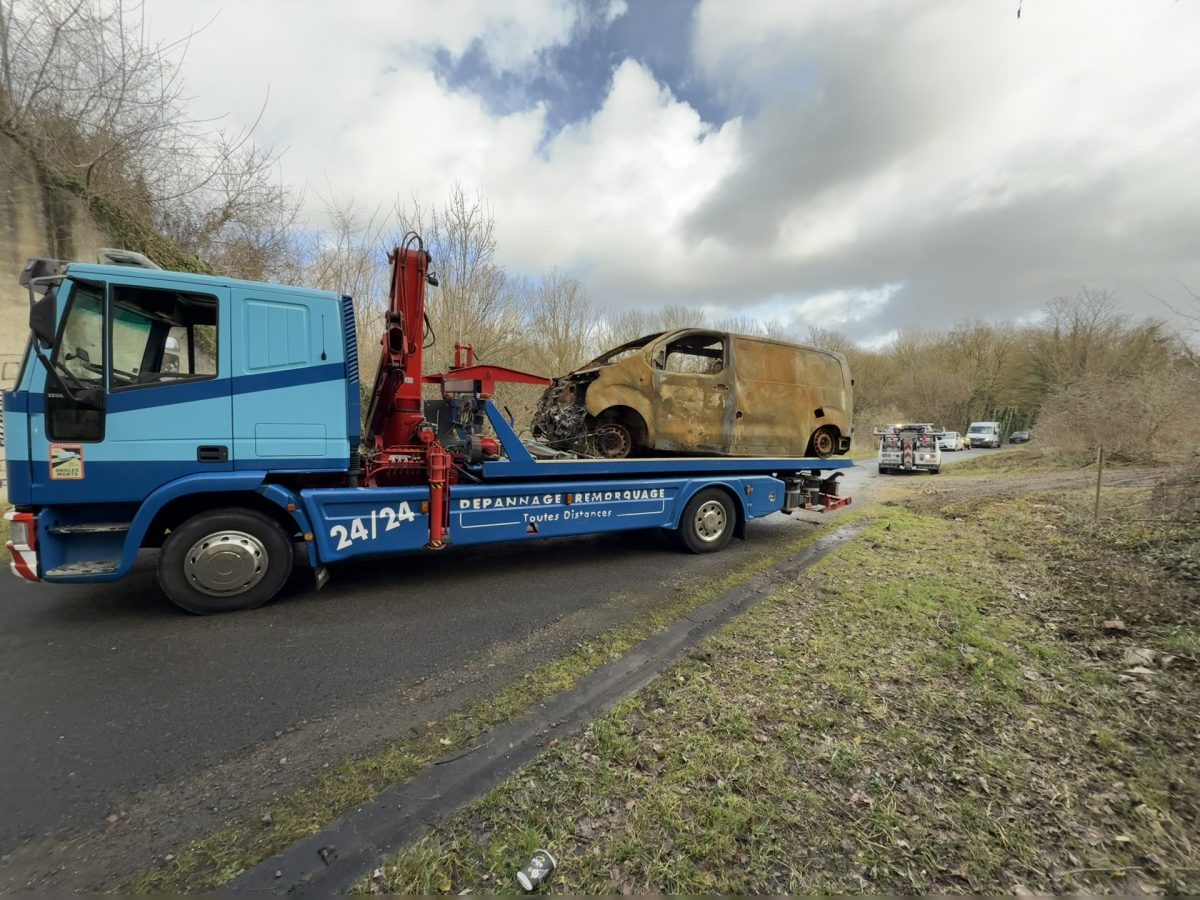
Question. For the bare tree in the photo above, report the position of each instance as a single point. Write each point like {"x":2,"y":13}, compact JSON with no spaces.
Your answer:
{"x":104,"y":111}
{"x":830,"y":339}
{"x":477,"y":301}
{"x":564,"y":324}
{"x":627,"y":325}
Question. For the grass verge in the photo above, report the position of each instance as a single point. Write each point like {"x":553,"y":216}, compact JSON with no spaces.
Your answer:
{"x":5,"y":529}
{"x":961,"y":699}
{"x":222,"y":856}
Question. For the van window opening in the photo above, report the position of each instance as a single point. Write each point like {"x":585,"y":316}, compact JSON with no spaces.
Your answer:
{"x":696,"y":354}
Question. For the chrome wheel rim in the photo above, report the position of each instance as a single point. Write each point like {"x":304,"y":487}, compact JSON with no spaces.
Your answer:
{"x":226,"y":563}
{"x":710,"y":521}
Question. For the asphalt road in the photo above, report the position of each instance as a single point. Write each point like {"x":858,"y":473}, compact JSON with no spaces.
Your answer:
{"x":110,"y":692}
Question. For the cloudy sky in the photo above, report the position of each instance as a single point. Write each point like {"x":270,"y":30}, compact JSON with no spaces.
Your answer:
{"x":869,"y":166}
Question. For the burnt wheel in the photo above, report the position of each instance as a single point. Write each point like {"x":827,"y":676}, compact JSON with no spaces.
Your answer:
{"x":613,"y":440}
{"x":823,"y":443}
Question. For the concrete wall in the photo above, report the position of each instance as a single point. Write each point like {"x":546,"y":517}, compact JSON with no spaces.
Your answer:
{"x":35,"y":220}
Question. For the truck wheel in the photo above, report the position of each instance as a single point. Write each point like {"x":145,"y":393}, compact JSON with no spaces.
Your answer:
{"x":223,"y":561}
{"x":708,"y":521}
{"x":935,"y":470}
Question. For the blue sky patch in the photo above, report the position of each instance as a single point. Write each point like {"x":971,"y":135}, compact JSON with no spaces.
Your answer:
{"x":573,"y":79}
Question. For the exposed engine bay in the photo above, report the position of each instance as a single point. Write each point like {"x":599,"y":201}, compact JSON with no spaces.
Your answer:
{"x":562,"y":420}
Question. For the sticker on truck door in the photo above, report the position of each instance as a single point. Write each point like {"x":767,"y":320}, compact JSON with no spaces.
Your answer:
{"x":66,"y":462}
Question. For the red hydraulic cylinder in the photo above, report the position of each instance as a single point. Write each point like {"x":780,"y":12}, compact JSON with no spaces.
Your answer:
{"x":396,"y":408}
{"x":438,"y":462}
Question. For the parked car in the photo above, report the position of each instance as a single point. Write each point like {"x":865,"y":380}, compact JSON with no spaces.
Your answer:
{"x":952,"y":441}
{"x":693,"y":390}
{"x":1020,"y":437}
{"x":985,"y":434}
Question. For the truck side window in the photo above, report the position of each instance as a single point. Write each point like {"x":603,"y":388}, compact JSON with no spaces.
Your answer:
{"x":696,"y":354}
{"x":162,"y":337}
{"x":80,"y":347}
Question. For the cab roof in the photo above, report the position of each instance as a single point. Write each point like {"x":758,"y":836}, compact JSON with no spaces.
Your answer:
{"x":189,"y":279}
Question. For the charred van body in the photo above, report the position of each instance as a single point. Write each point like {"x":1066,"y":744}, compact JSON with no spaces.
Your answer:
{"x":697,"y":391}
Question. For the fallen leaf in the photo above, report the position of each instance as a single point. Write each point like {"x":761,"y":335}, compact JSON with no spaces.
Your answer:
{"x":860,"y":799}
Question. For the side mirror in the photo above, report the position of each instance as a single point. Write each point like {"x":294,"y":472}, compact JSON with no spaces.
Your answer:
{"x":43,"y":317}
{"x":38,"y":270}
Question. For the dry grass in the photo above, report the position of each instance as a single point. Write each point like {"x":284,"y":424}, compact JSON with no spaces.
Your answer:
{"x":945,"y":704}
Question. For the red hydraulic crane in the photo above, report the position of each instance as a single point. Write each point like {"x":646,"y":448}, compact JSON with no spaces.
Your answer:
{"x":403,"y":447}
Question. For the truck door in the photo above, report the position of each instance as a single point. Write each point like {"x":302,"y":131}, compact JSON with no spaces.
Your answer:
{"x":694,"y":398}
{"x":139,"y":395}
{"x":289,"y":406}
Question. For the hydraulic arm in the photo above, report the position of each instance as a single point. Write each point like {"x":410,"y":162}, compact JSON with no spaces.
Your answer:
{"x":403,"y":447}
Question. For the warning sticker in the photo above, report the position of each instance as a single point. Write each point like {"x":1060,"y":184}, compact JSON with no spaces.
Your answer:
{"x":66,"y":462}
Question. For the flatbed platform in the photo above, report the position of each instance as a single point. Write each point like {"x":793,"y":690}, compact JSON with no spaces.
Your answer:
{"x":521,"y":465}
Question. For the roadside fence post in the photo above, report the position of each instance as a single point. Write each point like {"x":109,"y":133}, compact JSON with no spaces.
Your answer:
{"x":1099,"y":475}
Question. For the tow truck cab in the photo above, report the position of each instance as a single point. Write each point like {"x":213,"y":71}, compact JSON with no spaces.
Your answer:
{"x":141,"y":389}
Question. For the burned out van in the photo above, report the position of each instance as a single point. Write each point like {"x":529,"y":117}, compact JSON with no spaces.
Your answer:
{"x":697,"y":391}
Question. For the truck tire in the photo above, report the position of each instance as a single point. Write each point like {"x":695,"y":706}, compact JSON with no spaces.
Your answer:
{"x":224,"y":560}
{"x":708,"y":521}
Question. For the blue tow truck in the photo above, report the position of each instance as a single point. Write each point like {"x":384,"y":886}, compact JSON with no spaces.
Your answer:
{"x":219,"y":421}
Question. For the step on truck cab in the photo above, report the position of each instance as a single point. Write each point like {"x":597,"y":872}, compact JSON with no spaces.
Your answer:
{"x":218,"y":421}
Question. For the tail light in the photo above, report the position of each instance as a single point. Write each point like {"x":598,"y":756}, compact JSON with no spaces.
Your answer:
{"x":22,"y":528}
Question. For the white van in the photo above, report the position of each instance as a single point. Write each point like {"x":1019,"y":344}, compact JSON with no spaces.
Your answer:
{"x":984,"y":434}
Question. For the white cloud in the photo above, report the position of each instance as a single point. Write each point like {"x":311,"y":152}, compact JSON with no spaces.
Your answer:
{"x":989,"y":162}
{"x":325,"y":62}
{"x":985,"y":163}
{"x":616,"y":9}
